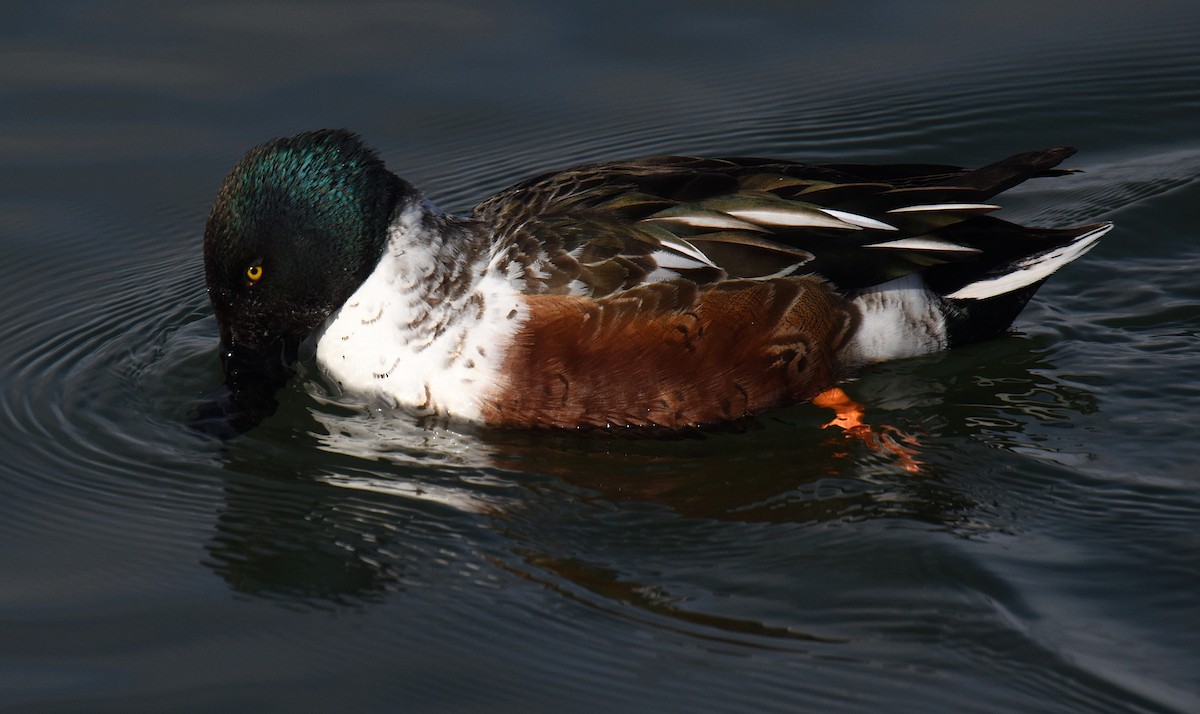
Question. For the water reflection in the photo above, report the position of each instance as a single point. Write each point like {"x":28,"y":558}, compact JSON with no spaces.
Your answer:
{"x":650,"y":604}
{"x":277,"y":540}
{"x":335,"y":503}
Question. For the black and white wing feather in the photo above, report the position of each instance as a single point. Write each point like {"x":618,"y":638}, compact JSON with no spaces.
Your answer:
{"x":603,"y":228}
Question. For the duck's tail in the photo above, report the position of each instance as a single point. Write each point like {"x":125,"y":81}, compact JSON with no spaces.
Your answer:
{"x":986,"y":304}
{"x":956,"y":304}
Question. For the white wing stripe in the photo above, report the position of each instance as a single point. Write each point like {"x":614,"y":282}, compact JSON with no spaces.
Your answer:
{"x":856,"y":220}
{"x":924,"y":244}
{"x":682,"y":247}
{"x":710,"y":220}
{"x":1030,"y":270}
{"x":676,"y":261}
{"x":949,"y":207}
{"x":777,"y":217}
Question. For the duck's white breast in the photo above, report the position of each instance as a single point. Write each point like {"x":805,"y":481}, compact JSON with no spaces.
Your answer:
{"x":395,"y":340}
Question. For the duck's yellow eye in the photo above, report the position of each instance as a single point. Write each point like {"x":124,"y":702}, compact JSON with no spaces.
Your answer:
{"x":254,"y":273}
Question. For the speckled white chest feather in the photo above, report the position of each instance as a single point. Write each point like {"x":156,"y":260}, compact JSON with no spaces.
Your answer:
{"x":398,"y":340}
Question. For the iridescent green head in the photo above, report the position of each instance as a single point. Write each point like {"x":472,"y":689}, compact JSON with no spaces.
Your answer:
{"x":297,"y":226}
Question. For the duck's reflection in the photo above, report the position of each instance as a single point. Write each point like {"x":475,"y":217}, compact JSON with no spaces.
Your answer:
{"x":296,"y":546}
{"x":364,"y":501}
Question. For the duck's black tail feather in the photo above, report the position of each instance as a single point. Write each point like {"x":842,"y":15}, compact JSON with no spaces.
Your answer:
{"x":984,"y":182}
{"x":996,"y":178}
{"x":982,"y":303}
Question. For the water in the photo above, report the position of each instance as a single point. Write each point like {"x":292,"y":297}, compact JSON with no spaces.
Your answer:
{"x":1044,"y":558}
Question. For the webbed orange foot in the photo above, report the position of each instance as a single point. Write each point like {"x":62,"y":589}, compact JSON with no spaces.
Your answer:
{"x":850,"y":416}
{"x":848,"y":413}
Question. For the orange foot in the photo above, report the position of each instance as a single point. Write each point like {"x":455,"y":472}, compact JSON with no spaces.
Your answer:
{"x":849,"y":416}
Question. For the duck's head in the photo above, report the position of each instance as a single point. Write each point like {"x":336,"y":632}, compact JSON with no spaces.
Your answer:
{"x":297,"y":226}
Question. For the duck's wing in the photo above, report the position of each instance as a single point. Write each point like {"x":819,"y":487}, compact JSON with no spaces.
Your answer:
{"x":603,"y":228}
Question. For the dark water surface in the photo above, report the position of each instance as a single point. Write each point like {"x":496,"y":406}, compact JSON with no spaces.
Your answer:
{"x":1046,"y":556}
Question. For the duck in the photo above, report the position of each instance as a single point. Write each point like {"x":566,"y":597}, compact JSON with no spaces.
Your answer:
{"x":666,"y":292}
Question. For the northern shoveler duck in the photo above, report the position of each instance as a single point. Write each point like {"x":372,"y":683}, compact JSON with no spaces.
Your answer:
{"x":668,"y":291}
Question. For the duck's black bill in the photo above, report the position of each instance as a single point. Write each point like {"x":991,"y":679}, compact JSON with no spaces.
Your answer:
{"x":252,"y":379}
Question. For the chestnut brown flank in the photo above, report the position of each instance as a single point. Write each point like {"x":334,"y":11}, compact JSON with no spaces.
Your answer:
{"x":669,"y":354}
